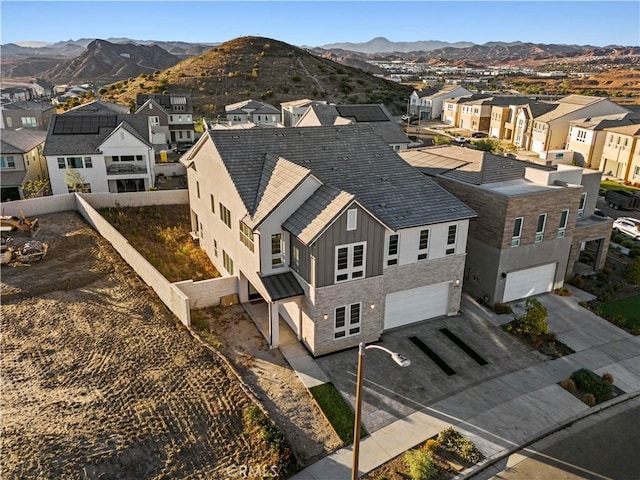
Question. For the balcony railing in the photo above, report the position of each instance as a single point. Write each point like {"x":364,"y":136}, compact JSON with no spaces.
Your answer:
{"x":125,"y":169}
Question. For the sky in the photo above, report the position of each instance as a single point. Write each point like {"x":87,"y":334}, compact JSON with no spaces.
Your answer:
{"x":317,"y":23}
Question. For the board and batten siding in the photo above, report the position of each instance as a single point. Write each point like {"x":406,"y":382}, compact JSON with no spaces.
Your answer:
{"x":368,"y":230}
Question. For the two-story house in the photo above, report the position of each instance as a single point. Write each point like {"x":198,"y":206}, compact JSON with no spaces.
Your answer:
{"x":21,"y":161}
{"x":292,"y":111}
{"x":329,"y":226}
{"x":252,"y":111}
{"x":99,"y":153}
{"x":32,"y":115}
{"x":513,"y":122}
{"x":178,"y":114}
{"x":621,"y":153}
{"x":377,"y":116}
{"x":550,"y":130}
{"x":532,"y":224}
{"x":426,"y":104}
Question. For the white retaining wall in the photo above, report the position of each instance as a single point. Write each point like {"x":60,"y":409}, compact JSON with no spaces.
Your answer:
{"x":40,"y":206}
{"x":207,"y":293}
{"x":136,"y":199}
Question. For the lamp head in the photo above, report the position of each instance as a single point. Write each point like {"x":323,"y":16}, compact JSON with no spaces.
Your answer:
{"x":401,"y":359}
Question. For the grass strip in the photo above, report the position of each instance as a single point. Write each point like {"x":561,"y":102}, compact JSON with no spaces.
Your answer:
{"x":337,"y":411}
{"x":629,"y":307}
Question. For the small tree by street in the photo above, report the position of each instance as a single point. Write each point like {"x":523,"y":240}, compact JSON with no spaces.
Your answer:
{"x":36,"y":188}
{"x":74,"y":180}
{"x":534,"y":320}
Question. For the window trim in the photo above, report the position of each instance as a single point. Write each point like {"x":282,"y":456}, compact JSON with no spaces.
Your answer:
{"x":277,"y":258}
{"x":352,"y":219}
{"x":352,"y":271}
{"x":515,"y":239}
{"x":583,"y":202}
{"x":246,"y":235}
{"x":225,"y":214}
{"x":393,"y":258}
{"x":423,"y":252}
{"x":562,"y":226}
{"x":540,"y":232}
{"x":227,"y":262}
{"x":345,"y":330}
{"x":452,"y":244}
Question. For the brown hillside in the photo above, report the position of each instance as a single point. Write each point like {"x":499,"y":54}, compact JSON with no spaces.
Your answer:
{"x":261,"y":68}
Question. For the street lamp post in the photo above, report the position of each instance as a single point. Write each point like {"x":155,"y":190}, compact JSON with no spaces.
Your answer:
{"x":396,"y":357}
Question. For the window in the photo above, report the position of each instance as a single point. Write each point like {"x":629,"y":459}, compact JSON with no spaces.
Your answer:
{"x":246,"y":235}
{"x":347,"y":321}
{"x":74,"y":162}
{"x":352,"y":219}
{"x":583,"y":201}
{"x":451,"y":239}
{"x":88,"y":163}
{"x":392,"y":251}
{"x":423,"y":246}
{"x":198,"y":188}
{"x":350,"y":262}
{"x":295,"y":258}
{"x":80,"y":188}
{"x":227,"y":262}
{"x":277,"y":250}
{"x":9,"y":121}
{"x":154,"y":121}
{"x":29,"y":122}
{"x":582,"y":136}
{"x":517,"y":231}
{"x":7,"y":162}
{"x":542,"y":220}
{"x":215,"y":247}
{"x":562,"y":227}
{"x":225,"y":215}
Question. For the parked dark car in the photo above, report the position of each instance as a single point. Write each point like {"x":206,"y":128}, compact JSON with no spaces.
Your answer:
{"x":479,"y":135}
{"x":183,"y":148}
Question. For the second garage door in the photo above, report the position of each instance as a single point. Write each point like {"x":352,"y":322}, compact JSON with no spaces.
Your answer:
{"x":531,"y":281}
{"x":409,"y":306}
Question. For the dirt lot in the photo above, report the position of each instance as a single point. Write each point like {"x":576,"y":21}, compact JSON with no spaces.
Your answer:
{"x":100,"y":381}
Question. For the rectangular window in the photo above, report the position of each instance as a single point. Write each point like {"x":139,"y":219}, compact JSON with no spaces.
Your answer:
{"x":215,"y":247}
{"x":74,"y":162}
{"x":198,"y":189}
{"x":582,"y":136}
{"x":277,"y":250}
{"x":246,"y":235}
{"x":295,"y":258}
{"x":583,"y":201}
{"x":352,"y":219}
{"x":154,"y":121}
{"x":9,"y":121}
{"x":562,"y":227}
{"x":29,"y":122}
{"x":88,"y":163}
{"x":127,"y":158}
{"x":213,"y":204}
{"x":225,"y":215}
{"x":80,"y":188}
{"x":392,"y":251}
{"x":227,"y":262}
{"x":350,"y":262}
{"x":517,"y":231}
{"x":423,"y":245}
{"x":347,"y":320}
{"x":7,"y":162}
{"x":542,"y":220}
{"x":452,"y":235}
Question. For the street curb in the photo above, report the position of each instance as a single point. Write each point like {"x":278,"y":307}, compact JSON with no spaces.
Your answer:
{"x":505,"y":454}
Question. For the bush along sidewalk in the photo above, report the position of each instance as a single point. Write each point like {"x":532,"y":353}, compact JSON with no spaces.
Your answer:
{"x":591,"y":388}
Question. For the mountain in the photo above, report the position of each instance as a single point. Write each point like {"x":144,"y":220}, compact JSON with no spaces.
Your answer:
{"x":382,"y":45}
{"x":103,"y":60}
{"x":261,"y":68}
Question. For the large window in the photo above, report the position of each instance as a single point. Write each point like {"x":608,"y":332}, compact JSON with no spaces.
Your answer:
{"x":347,"y":320}
{"x":350,"y":262}
{"x":392,"y":251}
{"x":246,"y":235}
{"x":7,"y":162}
{"x":517,"y":232}
{"x":74,"y":162}
{"x":80,"y":188}
{"x":29,"y":122}
{"x":542,"y":220}
{"x":423,"y":246}
{"x":225,"y":215}
{"x":352,"y":219}
{"x":583,"y":201}
{"x":562,"y":226}
{"x":452,"y":236}
{"x":277,"y":250}
{"x":227,"y":262}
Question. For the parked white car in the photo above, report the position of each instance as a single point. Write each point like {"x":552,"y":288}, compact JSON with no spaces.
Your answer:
{"x":460,"y":139}
{"x":628,"y":226}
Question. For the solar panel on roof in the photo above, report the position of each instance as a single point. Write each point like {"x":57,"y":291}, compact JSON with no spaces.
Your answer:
{"x":83,"y":124}
{"x":363,"y":113}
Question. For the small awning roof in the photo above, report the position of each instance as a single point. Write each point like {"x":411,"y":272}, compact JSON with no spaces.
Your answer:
{"x":282,"y":285}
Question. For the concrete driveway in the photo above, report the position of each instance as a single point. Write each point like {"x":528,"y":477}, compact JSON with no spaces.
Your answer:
{"x":392,"y":392}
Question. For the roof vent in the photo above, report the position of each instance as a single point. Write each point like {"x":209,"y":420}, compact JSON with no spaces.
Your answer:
{"x":384,"y":179}
{"x":335,"y":169}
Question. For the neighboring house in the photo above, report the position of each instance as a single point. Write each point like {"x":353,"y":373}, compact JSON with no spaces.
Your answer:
{"x":252,"y":111}
{"x":158,"y":123}
{"x":621,"y":153}
{"x":98,"y":107}
{"x":100,"y":153}
{"x":550,"y":129}
{"x":179,"y":109}
{"x":21,"y":161}
{"x":339,"y":236}
{"x":377,"y":116}
{"x":586,"y":137}
{"x":16,"y":94}
{"x":513,"y":122}
{"x":426,"y":104}
{"x":532,"y":224}
{"x":291,"y":112}
{"x":32,"y":115}
{"x":452,"y":108}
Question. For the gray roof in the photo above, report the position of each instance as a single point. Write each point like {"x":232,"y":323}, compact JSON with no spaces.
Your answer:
{"x":350,"y":158}
{"x":171,"y":102}
{"x":607,"y":121}
{"x":282,"y":285}
{"x":21,"y":141}
{"x":28,"y":105}
{"x":250,"y":107}
{"x":88,"y":143}
{"x":12,"y":178}
{"x":317,"y":212}
{"x":540,"y":108}
{"x":98,"y":107}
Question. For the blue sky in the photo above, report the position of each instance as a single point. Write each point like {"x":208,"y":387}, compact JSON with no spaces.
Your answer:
{"x":316,"y":23}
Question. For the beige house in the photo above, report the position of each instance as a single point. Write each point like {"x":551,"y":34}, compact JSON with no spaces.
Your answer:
{"x":291,"y":112}
{"x":621,"y":153}
{"x":426,"y":104}
{"x":21,"y":161}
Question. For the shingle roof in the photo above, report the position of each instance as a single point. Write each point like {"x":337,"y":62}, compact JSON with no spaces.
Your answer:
{"x":282,"y":285}
{"x":317,"y":212}
{"x":632,"y":130}
{"x":87,"y":143}
{"x":21,"y":141}
{"x":250,"y":106}
{"x":296,"y":103}
{"x":98,"y":107}
{"x":167,"y":100}
{"x":606,"y":121}
{"x":350,"y":158}
{"x":12,"y":178}
{"x":28,"y":105}
{"x":568,"y":104}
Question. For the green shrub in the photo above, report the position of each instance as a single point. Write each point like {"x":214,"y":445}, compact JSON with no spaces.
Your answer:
{"x":589,"y":382}
{"x":628,"y":243}
{"x":502,"y":308}
{"x":451,"y":440}
{"x":534,"y":320}
{"x":272,"y":436}
{"x":634,"y":252}
{"x":632,"y":271}
{"x":420,"y":465}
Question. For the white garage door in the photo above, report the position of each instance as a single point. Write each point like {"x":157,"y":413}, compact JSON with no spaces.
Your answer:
{"x":531,"y":281}
{"x":408,"y":306}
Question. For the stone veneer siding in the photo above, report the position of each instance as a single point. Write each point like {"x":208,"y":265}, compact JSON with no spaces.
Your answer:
{"x":586,"y":233}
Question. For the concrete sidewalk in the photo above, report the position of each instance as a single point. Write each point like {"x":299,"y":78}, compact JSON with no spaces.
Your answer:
{"x":505,"y":413}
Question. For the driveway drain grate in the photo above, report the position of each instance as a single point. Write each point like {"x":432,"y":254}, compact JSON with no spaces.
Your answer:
{"x":463,"y":346}
{"x":444,"y":366}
